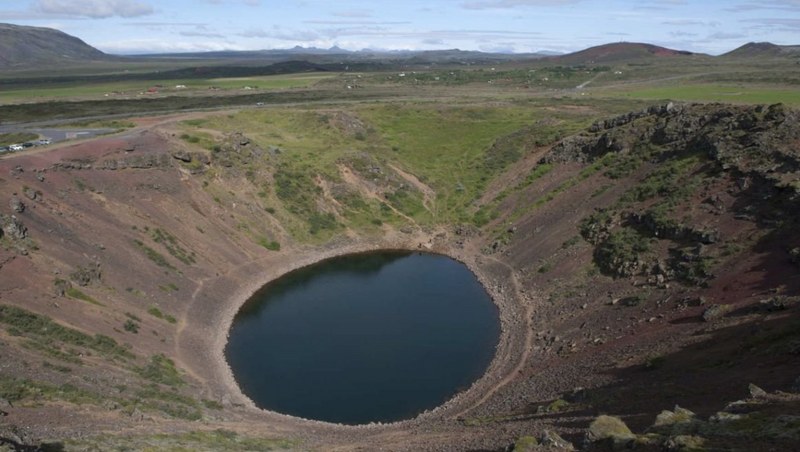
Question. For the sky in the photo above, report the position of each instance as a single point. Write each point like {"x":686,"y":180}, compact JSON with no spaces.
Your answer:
{"x":158,"y":26}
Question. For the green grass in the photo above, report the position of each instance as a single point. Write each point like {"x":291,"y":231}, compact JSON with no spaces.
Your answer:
{"x":161,"y":370}
{"x":16,"y":138}
{"x":155,"y":312}
{"x":745,"y":94}
{"x":44,"y":331}
{"x":138,"y":88}
{"x":271,"y":245}
{"x":74,"y":292}
{"x":18,"y":390}
{"x":198,"y":440}
{"x":446,"y":146}
{"x":154,"y":255}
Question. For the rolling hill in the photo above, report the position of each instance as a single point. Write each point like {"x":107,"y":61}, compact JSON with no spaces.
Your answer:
{"x":619,"y":51}
{"x":22,"y":46}
{"x":763,"y":49}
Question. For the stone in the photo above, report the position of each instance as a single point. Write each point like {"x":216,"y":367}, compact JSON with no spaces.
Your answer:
{"x":554,"y":440}
{"x":756,"y":392}
{"x":724,"y":416}
{"x":715,"y":311}
{"x":32,"y":194}
{"x":794,"y":255}
{"x":677,"y":422}
{"x":684,"y":442}
{"x":60,"y":287}
{"x":609,"y":429}
{"x":526,"y":444}
{"x":13,"y":227}
{"x":16,"y":204}
{"x":84,"y":276}
{"x":182,"y":155}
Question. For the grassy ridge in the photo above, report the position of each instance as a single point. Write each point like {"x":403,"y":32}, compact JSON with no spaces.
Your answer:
{"x":450,"y":153}
{"x":744,"y":94}
{"x":137,"y":87}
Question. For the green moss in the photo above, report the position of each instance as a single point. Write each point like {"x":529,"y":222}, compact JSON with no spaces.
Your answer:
{"x":77,"y":294}
{"x":525,"y":444}
{"x":609,"y":427}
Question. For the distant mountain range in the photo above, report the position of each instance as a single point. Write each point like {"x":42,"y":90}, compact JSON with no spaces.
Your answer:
{"x":31,"y":47}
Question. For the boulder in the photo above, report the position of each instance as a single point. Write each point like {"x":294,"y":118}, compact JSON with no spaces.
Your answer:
{"x":554,"y":440}
{"x":610,"y":430}
{"x":756,"y":392}
{"x":183,"y":156}
{"x":680,"y":421}
{"x":715,"y":311}
{"x":61,"y":286}
{"x":16,"y":204}
{"x":84,"y":276}
{"x":13,"y":227}
{"x":526,"y":444}
{"x":684,"y":443}
{"x":32,"y":194}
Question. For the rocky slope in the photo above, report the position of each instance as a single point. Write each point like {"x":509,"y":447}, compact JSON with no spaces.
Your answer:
{"x":647,"y":262}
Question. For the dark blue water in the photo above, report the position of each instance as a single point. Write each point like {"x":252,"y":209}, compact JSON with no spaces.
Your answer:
{"x":363,"y":338}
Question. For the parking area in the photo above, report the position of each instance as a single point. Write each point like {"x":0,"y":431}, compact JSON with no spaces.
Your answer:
{"x":52,"y":135}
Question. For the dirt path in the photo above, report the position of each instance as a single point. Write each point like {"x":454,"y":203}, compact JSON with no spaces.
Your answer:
{"x":526,"y":352}
{"x":368,"y":191}
{"x":428,"y":194}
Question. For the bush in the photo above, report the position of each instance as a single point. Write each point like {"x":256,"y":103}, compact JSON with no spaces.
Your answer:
{"x":162,"y":370}
{"x":131,"y":326}
{"x":622,"y":253}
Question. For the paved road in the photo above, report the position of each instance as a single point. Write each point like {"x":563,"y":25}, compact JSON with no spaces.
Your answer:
{"x":56,"y":135}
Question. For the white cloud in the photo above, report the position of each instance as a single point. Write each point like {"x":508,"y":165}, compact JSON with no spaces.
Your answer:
{"x":777,"y":23}
{"x":505,"y":4}
{"x":786,"y":5}
{"x":356,"y":13}
{"x":139,"y":46}
{"x":95,"y":9}
{"x":246,"y":2}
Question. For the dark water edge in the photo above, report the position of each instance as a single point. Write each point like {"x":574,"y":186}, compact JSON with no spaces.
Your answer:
{"x":374,"y":337}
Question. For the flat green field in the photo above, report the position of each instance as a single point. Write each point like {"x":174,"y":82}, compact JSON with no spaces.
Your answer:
{"x":729,"y":93}
{"x":127,"y":89}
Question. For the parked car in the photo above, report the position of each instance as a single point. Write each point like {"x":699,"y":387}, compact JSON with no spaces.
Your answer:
{"x":16,"y":147}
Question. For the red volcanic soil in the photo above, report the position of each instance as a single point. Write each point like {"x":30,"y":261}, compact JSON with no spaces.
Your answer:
{"x":617,"y":52}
